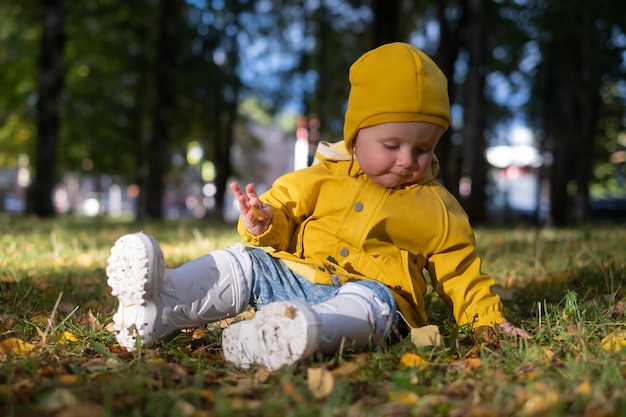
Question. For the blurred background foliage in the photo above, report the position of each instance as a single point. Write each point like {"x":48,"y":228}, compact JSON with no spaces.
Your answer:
{"x":122,"y":92}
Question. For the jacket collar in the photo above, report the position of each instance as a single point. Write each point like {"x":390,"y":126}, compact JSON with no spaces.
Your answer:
{"x":335,"y":152}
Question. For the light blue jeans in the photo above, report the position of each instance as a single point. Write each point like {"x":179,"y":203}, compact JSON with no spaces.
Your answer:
{"x":273,"y":281}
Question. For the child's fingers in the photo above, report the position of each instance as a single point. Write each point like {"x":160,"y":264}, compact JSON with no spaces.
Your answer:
{"x":511,"y":330}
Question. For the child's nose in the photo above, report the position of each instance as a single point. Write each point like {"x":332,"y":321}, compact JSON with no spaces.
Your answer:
{"x":406,"y":159}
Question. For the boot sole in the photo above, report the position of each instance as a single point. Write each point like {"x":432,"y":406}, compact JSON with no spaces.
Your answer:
{"x":133,"y":275}
{"x":281,"y":333}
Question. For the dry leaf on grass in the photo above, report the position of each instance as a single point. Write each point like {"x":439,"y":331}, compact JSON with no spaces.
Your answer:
{"x":320,"y":382}
{"x":426,"y":336}
{"x":537,"y":398}
{"x":14,"y":347}
{"x":67,"y":337}
{"x":615,"y":341}
{"x":408,"y":398}
{"x":411,"y":360}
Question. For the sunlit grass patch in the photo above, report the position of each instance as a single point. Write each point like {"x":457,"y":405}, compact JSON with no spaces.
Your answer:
{"x":565,"y":286}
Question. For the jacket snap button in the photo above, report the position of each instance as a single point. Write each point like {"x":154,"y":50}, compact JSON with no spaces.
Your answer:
{"x":321,"y":268}
{"x":331,"y":268}
{"x":358,"y":207}
{"x":344,"y":252}
{"x":398,"y":287}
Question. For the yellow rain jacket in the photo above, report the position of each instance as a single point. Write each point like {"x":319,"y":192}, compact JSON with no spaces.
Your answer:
{"x":332,"y":228}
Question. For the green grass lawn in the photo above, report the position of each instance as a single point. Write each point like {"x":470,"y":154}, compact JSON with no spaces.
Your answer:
{"x":565,"y":286}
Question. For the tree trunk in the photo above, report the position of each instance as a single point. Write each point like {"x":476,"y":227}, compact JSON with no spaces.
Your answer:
{"x":48,"y":120}
{"x":577,"y":100}
{"x":589,"y":102}
{"x":446,"y":56}
{"x":386,"y":22}
{"x":474,"y":124}
{"x":166,"y":69}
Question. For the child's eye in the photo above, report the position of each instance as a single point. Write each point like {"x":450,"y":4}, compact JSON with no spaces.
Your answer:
{"x":390,"y":146}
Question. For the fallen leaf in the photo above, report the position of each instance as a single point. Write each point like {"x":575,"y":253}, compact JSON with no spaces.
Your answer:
{"x":67,"y":379}
{"x":58,"y":399}
{"x":6,"y":324}
{"x":320,"y":382}
{"x":409,"y":398}
{"x":67,"y":337}
{"x":85,"y":260}
{"x":183,"y":408}
{"x":350,"y":367}
{"x":426,"y":336}
{"x":262,"y":375}
{"x":291,"y":390}
{"x":93,"y":321}
{"x":411,"y":360}
{"x":110,"y":327}
{"x":199,"y":333}
{"x":475,"y":411}
{"x":583,"y":389}
{"x":615,"y":341}
{"x":469,"y":364}
{"x":82,"y":410}
{"x":538,"y":399}
{"x":14,"y":347}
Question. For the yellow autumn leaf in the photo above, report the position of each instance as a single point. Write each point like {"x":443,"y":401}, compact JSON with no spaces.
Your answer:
{"x":411,"y":360}
{"x":320,"y":382}
{"x":85,"y":260}
{"x":615,"y":341}
{"x":68,"y":379}
{"x":67,"y":338}
{"x":14,"y":347}
{"x":538,"y":399}
{"x":426,"y":336}
{"x":583,"y":389}
{"x":409,"y":398}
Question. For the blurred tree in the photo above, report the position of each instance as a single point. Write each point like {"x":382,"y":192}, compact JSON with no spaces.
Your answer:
{"x":166,"y":70}
{"x":451,"y":19}
{"x":469,"y":41}
{"x":108,"y":104}
{"x":280,"y":52}
{"x":211,"y":89}
{"x":474,"y":126}
{"x":578,"y":44}
{"x":386,"y":24}
{"x":51,"y":74}
{"x":338,"y":36}
{"x":20,"y":27}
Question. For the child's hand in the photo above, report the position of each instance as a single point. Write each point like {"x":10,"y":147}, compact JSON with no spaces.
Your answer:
{"x":491,"y":336}
{"x":510,"y":330}
{"x":255,"y":214}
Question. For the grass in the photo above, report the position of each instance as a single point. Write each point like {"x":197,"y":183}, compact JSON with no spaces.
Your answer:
{"x":563,"y":285}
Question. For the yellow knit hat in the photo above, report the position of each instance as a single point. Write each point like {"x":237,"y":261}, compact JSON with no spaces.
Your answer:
{"x":395,"y":82}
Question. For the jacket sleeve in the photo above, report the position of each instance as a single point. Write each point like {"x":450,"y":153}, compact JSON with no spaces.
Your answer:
{"x":291,"y":199}
{"x":455,"y":271}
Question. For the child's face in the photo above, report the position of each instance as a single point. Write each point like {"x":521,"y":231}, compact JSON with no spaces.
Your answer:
{"x":393,"y":154}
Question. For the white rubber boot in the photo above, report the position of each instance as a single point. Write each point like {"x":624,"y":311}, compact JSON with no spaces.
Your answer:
{"x":281,"y":333}
{"x":355,"y":318}
{"x":154,"y":301}
{"x":286,"y":332}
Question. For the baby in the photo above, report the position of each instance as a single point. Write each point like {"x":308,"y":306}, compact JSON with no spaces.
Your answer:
{"x":335,"y":253}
